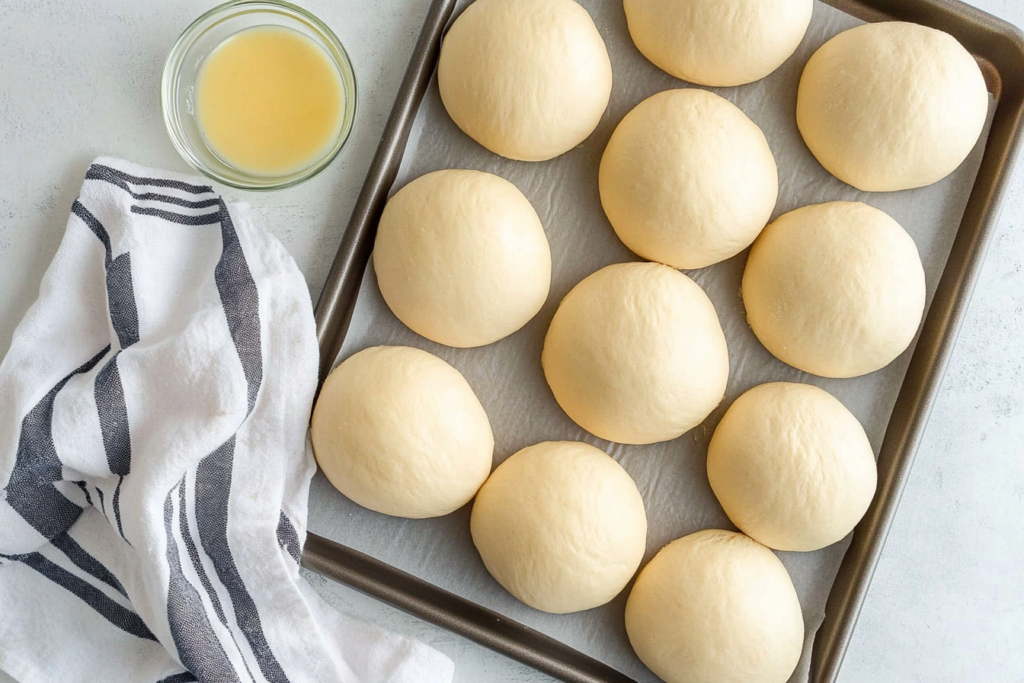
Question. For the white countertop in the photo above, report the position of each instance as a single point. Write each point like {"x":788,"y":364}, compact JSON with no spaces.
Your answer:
{"x":947,"y":602}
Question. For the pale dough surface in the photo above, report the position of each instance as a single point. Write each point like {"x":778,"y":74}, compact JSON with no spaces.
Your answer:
{"x":561,"y":526}
{"x":461,"y":257}
{"x":400,"y":431}
{"x":687,"y":179}
{"x":834,"y":289}
{"x":891,"y":106}
{"x":716,"y":607}
{"x":718,"y":42}
{"x":635,"y":354}
{"x":527,"y":79}
{"x":791,"y":466}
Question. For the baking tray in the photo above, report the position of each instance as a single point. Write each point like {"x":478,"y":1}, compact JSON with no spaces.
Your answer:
{"x":999,"y":49}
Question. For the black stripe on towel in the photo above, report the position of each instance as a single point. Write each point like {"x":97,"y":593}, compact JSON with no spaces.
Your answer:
{"x":97,"y":228}
{"x":181,"y":218}
{"x":97,"y":170}
{"x":116,"y":504}
{"x":197,"y":563}
{"x":113,"y":416}
{"x":199,"y":649}
{"x":241,"y":300}
{"x":287,"y":537}
{"x":193,"y":553}
{"x":30,"y":490}
{"x":213,"y":486}
{"x":81,"y":558}
{"x":121,"y":617}
{"x":183,"y":677}
{"x":124,"y":315}
{"x":121,"y":180}
{"x":85,"y":490}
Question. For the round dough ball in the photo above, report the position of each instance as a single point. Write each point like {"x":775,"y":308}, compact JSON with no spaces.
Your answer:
{"x":461,"y":257}
{"x":835,"y":289}
{"x":687,"y":179}
{"x":561,"y":526}
{"x":527,"y":79}
{"x":716,"y":607}
{"x":635,"y":354}
{"x":791,"y":466}
{"x":400,"y":431}
{"x":718,"y":42}
{"x":891,"y":106}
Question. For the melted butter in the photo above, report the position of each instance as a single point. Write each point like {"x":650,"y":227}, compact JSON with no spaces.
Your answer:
{"x":269,"y":101}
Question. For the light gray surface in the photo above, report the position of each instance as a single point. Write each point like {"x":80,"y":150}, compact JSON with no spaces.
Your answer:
{"x":671,"y":476}
{"x":947,"y":603}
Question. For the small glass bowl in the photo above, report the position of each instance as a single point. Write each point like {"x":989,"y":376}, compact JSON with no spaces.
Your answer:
{"x":177,"y":89}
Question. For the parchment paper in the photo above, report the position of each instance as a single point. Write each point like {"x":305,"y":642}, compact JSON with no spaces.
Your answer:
{"x":507,"y":375}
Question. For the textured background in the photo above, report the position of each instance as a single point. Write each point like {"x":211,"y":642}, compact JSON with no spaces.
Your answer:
{"x":947,"y":602}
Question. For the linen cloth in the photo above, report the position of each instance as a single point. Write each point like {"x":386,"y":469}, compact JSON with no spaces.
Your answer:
{"x":154,"y":459}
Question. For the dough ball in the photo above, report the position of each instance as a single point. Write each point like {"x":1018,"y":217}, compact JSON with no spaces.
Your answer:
{"x":687,"y":179}
{"x":400,"y":431}
{"x":527,"y":79}
{"x":461,"y":257}
{"x":792,"y":466}
{"x":716,"y":607}
{"x":561,"y":526}
{"x":891,"y":106}
{"x":835,"y":289}
{"x":718,"y":42}
{"x":635,"y":354}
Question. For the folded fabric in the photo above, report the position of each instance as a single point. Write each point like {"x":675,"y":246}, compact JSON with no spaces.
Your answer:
{"x":154,"y":457}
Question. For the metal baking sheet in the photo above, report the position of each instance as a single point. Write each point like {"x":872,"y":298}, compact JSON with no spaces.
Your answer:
{"x":507,"y":375}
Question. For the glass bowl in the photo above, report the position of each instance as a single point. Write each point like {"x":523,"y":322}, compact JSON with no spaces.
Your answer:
{"x":177,"y":89}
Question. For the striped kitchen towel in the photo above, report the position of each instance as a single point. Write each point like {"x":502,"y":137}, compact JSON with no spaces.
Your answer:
{"x":154,"y":460}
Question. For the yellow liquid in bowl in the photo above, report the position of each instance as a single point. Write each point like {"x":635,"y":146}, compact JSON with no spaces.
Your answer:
{"x":269,"y":101}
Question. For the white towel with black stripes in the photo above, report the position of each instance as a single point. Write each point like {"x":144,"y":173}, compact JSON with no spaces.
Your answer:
{"x":154,"y":461}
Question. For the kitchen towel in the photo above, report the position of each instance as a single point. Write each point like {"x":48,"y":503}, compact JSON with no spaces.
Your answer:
{"x":154,"y":458}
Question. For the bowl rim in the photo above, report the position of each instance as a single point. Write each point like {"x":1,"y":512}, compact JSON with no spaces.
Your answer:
{"x":170,"y":80}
